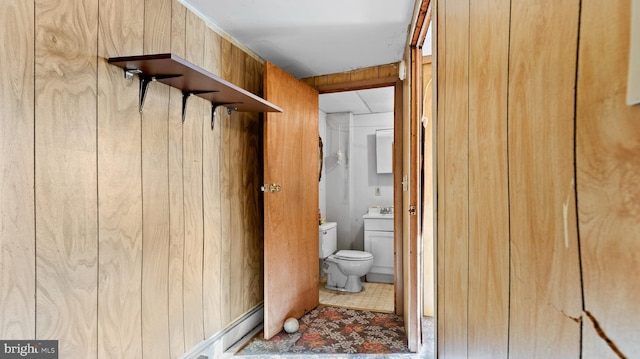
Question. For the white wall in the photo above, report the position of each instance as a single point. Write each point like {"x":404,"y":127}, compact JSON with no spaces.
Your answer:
{"x":365,"y":179}
{"x":322,"y":129}
{"x":351,"y":185}
{"x":338,"y":198}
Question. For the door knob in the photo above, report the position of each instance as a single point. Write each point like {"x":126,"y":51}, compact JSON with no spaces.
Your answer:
{"x":274,"y":187}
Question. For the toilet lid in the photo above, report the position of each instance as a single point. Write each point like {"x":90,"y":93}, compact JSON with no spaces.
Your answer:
{"x":353,"y":255}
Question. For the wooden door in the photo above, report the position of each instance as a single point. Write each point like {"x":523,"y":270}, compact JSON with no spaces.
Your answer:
{"x":290,"y":212}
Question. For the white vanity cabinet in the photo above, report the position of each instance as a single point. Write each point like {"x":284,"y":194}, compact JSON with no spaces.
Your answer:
{"x":378,"y":240}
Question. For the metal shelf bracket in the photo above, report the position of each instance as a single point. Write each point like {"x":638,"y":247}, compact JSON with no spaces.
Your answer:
{"x":214,"y":106}
{"x":186,"y":95}
{"x":145,"y":80}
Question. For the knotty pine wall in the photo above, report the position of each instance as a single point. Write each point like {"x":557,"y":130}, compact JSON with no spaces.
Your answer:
{"x":539,"y":181}
{"x":123,"y":234}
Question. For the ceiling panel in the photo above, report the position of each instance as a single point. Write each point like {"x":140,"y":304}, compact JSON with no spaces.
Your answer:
{"x":378,"y":100}
{"x":360,"y":102}
{"x":310,"y":38}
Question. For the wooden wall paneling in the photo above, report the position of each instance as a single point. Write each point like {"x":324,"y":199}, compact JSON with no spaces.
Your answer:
{"x":440,"y":85}
{"x":155,"y":191}
{"x":608,"y":172}
{"x":428,"y":280}
{"x":119,"y":183}
{"x":176,"y":193}
{"x":226,"y":163}
{"x":155,"y":230}
{"x":176,"y":225}
{"x":488,"y":321}
{"x":192,"y":172}
{"x":17,"y":228}
{"x":260,"y":180}
{"x":456,"y":179}
{"x":251,"y":182}
{"x":178,"y":28}
{"x":157,"y":26}
{"x":65,"y":175}
{"x":236,"y":169}
{"x":212,"y":280}
{"x":545,"y":279}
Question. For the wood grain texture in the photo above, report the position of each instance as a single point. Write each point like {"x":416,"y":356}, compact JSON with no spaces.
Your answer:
{"x":226,"y":161}
{"x":17,"y":230}
{"x":212,"y":280}
{"x":178,"y":28}
{"x":155,"y":192}
{"x":428,"y":280}
{"x":119,"y":184}
{"x":65,"y":175}
{"x":365,"y":74}
{"x":456,"y":179}
{"x":192,"y":176}
{"x":176,"y":224}
{"x":100,"y":189}
{"x":441,"y":83}
{"x":398,"y":230}
{"x":414,"y":235}
{"x":608,"y":173}
{"x":157,"y":26}
{"x":253,"y":198}
{"x":237,"y":222}
{"x":291,"y":247}
{"x":155,"y":221}
{"x":406,"y":163}
{"x":488,"y":317}
{"x":545,"y":285}
{"x":176,"y":194}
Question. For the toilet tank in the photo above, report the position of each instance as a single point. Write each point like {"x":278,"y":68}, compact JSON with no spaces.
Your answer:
{"x":327,"y":239}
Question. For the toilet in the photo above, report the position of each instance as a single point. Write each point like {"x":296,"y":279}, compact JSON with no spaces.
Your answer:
{"x":344,"y":267}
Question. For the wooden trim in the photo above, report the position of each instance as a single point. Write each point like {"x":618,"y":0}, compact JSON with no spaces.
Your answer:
{"x":427,"y":59}
{"x":357,"y":85}
{"x":349,"y":78}
{"x":422,"y":24}
{"x":398,"y":273}
{"x":415,"y":169}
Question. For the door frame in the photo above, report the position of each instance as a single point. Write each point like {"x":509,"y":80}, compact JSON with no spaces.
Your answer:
{"x":397,"y":84}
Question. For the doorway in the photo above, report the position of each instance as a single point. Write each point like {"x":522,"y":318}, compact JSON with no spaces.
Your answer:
{"x":356,"y":188}
{"x":385,"y":96}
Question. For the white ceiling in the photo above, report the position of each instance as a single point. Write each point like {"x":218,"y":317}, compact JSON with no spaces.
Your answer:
{"x":359,"y":102}
{"x":314,"y":37}
{"x":318,"y":37}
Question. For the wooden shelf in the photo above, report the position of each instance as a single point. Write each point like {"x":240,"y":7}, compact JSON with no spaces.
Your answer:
{"x":192,"y":80}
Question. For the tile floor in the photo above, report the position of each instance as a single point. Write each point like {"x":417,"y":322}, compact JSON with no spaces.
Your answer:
{"x":376,"y":297}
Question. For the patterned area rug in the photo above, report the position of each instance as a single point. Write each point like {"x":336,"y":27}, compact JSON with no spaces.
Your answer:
{"x":328,"y":330}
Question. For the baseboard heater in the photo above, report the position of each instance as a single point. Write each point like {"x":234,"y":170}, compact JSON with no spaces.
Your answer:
{"x":219,"y":343}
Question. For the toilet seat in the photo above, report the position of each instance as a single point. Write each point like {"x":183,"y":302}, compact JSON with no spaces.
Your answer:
{"x":352,"y":255}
